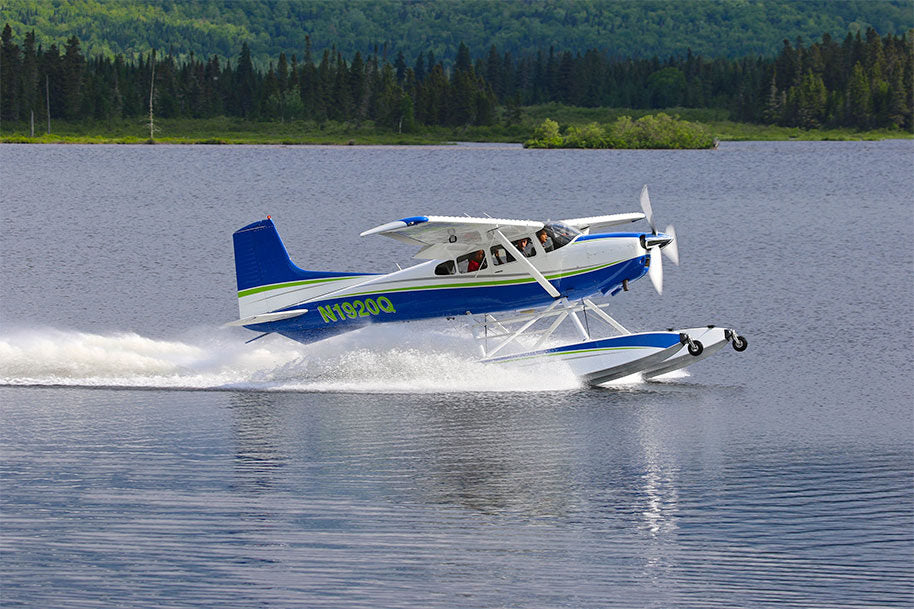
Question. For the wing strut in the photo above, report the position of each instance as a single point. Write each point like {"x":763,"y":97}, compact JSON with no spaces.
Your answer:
{"x":550,"y":289}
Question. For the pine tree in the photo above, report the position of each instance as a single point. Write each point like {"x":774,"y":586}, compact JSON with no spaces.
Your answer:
{"x":400,"y":67}
{"x":812,"y":97}
{"x":9,"y":76}
{"x":493,"y":72}
{"x":341,"y":96}
{"x":212,"y":96}
{"x":899,"y":109}
{"x":419,"y":68}
{"x":31,"y":97}
{"x":359,"y":87}
{"x":463,"y":63}
{"x":272,"y":97}
{"x":245,"y":83}
{"x":72,"y":66}
{"x":463,"y":99}
{"x":859,"y":107}
{"x":282,"y":73}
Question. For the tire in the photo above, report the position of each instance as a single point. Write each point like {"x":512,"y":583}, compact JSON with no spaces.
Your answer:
{"x":740,"y":343}
{"x":695,"y":348}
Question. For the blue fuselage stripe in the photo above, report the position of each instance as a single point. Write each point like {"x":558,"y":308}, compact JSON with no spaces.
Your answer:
{"x":440,"y":302}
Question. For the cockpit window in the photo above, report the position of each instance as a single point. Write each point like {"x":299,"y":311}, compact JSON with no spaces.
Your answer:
{"x":560,"y":234}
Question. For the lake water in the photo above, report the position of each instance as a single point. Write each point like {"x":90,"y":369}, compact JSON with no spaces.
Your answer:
{"x":148,"y":457}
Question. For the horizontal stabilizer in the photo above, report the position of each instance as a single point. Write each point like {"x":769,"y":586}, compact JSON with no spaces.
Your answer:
{"x":267,"y":317}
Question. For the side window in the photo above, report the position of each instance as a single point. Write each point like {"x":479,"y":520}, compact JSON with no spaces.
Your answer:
{"x":500,"y":255}
{"x":525,"y":246}
{"x":446,"y":268}
{"x":472,"y":262}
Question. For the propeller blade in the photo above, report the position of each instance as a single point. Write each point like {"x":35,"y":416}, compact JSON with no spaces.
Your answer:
{"x":646,"y":208}
{"x":672,"y":249}
{"x":655,"y":270}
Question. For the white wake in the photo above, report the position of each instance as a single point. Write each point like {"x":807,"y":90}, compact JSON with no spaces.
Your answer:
{"x":377,"y":359}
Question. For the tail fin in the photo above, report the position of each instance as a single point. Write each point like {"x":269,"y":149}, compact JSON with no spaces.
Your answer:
{"x":261,"y":258}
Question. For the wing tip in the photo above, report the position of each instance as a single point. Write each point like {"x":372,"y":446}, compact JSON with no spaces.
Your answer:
{"x":396,"y":224}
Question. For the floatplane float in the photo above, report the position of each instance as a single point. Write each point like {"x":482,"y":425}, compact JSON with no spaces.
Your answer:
{"x":537,"y":275}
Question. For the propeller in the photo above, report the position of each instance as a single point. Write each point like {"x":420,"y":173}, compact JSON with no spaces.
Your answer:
{"x":653,"y":245}
{"x":672,"y":249}
{"x":655,"y":270}
{"x":646,"y":208}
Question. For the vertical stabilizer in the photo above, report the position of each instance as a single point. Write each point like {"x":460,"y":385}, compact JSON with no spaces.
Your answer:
{"x":267,"y":277}
{"x":261,"y":258}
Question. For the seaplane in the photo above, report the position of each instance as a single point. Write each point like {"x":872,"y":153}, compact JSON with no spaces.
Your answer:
{"x":516,"y":281}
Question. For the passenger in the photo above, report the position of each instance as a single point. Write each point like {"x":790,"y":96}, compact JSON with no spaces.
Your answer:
{"x":545,"y":240}
{"x":500,"y":255}
{"x":477,"y":261}
{"x":524,"y":246}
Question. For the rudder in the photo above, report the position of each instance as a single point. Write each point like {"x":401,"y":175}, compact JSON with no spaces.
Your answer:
{"x":261,"y":258}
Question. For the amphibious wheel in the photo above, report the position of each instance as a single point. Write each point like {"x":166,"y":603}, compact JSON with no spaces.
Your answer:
{"x":695,"y":348}
{"x":740,"y":343}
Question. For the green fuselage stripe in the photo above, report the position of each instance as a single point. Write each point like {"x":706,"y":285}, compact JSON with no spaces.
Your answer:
{"x":473,"y":284}
{"x":291,"y":284}
{"x":478,"y":284}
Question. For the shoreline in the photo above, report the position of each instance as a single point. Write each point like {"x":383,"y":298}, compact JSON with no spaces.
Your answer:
{"x":227,"y":131}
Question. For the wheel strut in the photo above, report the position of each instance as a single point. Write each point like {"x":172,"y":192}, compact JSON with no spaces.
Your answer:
{"x":695,"y":347}
{"x":739,"y":342}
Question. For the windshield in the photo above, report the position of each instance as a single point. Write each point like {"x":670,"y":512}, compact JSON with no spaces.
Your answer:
{"x":560,"y":234}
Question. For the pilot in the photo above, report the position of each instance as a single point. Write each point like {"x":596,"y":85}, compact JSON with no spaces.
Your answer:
{"x":477,"y":261}
{"x":545,"y":240}
{"x":524,"y":246}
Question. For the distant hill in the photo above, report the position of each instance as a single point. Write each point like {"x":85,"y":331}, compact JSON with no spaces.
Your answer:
{"x":622,"y":28}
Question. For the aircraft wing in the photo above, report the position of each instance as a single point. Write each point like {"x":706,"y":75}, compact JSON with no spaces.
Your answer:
{"x":595,"y":224}
{"x":450,"y":236}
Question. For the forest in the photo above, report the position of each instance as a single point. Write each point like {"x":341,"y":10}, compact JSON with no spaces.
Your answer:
{"x":620,"y":28}
{"x":863,"y":81}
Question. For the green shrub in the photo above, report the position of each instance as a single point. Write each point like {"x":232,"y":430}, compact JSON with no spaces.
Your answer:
{"x":659,"y":131}
{"x":591,"y":135}
{"x":546,"y":136}
{"x":651,"y":131}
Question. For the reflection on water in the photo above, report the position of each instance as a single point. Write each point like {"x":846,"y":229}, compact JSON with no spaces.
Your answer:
{"x":659,"y":484}
{"x":258,"y":431}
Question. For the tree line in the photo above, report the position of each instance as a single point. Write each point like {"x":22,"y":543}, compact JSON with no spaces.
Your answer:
{"x":865,"y":81}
